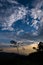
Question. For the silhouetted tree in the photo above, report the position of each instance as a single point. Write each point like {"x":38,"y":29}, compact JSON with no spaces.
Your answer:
{"x":15,"y":43}
{"x":40,"y":46}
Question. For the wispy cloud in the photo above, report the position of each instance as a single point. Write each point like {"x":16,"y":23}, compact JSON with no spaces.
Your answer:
{"x":18,"y":12}
{"x":39,"y":4}
{"x":13,"y":1}
{"x":13,"y":13}
{"x":37,"y":22}
{"x":20,"y":31}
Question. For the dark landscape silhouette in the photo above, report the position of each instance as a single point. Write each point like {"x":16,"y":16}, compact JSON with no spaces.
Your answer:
{"x":35,"y":58}
{"x":16,"y":59}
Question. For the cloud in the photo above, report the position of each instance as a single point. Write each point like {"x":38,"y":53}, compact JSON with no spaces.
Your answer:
{"x":39,"y":4}
{"x":27,"y":23}
{"x":12,"y":15}
{"x":20,"y":31}
{"x":34,"y":33}
{"x":35,"y":24}
{"x":17,"y":15}
{"x":13,"y":1}
{"x":8,"y":28}
{"x":37,"y":21}
{"x":19,"y":12}
{"x":36,"y":13}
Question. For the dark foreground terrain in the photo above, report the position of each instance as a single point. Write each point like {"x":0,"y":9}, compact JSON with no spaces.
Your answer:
{"x":15,"y":59}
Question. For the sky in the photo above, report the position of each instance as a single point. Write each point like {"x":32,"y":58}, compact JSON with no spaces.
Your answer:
{"x":21,"y":20}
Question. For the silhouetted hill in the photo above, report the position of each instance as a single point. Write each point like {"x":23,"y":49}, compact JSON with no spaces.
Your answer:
{"x":15,"y":59}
